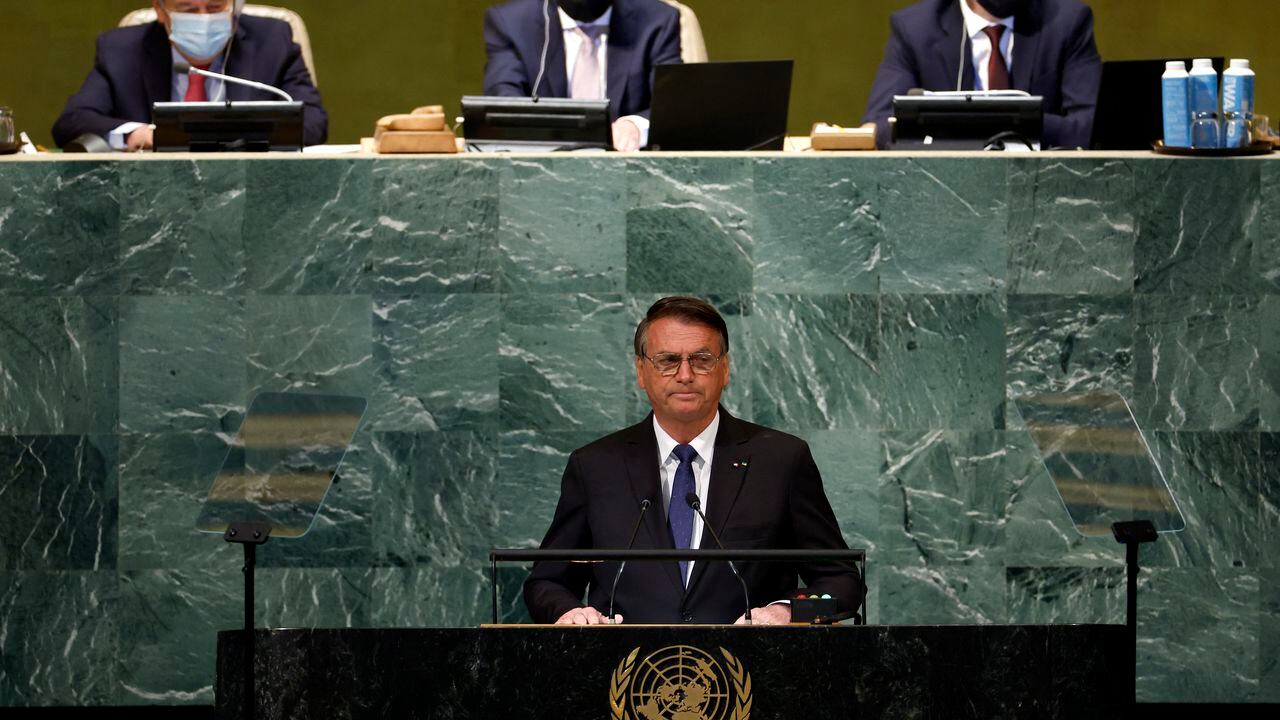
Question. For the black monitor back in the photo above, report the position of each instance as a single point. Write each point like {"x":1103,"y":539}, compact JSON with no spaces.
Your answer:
{"x":516,"y":123}
{"x":965,"y":121}
{"x":721,"y":105}
{"x":228,"y":127}
{"x":1130,"y":114}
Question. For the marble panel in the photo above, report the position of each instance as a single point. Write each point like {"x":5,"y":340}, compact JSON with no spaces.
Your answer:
{"x":1266,"y":231}
{"x":565,"y":362}
{"x":1071,"y":226}
{"x":1269,"y":637}
{"x":1066,"y":595}
{"x":942,"y":362}
{"x":182,"y":227}
{"x":941,"y":595}
{"x":1198,"y":635}
{"x":1198,"y":364}
{"x":1268,"y":314}
{"x":307,"y":225}
{"x":1215,"y":478}
{"x":59,"y":638}
{"x":850,"y":463}
{"x":171,"y":617}
{"x":737,"y":311}
{"x":434,"y":499}
{"x":435,"y":362}
{"x":59,"y":228}
{"x":164,"y":480}
{"x":563,"y":225}
{"x":433,"y":596}
{"x":1196,"y":228}
{"x":690,"y":225}
{"x":313,"y":597}
{"x":313,"y":344}
{"x":58,"y":502}
{"x":1070,"y":344}
{"x":435,"y":227}
{"x":919,"y":197}
{"x":817,"y":361}
{"x":59,"y":365}
{"x":182,"y":366}
{"x":530,"y":466}
{"x":818,"y":226}
{"x":1269,"y":500}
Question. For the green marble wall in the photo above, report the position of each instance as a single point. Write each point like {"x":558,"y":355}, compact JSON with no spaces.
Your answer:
{"x":883,"y":308}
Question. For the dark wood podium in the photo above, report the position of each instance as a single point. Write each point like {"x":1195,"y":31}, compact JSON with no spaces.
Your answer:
{"x":711,"y":672}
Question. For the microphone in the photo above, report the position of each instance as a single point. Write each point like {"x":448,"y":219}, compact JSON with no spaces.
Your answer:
{"x":692,"y":499}
{"x":644,"y":507}
{"x":186,"y":68}
{"x":542,"y":64}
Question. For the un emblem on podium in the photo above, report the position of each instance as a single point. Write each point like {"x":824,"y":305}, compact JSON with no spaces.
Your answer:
{"x":680,"y":682}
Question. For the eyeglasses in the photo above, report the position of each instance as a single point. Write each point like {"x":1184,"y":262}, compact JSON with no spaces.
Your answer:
{"x":669,"y":363}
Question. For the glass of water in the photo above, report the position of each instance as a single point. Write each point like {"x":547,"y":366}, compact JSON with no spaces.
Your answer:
{"x":1205,"y":131}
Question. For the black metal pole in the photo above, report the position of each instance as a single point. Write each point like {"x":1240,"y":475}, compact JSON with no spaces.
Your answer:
{"x":493,"y":589}
{"x":250,"y":563}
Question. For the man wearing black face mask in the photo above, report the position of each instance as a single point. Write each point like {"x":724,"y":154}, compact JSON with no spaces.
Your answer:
{"x":1044,"y":47}
{"x":594,"y":49}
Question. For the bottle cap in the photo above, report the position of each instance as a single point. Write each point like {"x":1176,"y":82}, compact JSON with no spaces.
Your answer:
{"x":1240,"y":63}
{"x":1176,"y":65}
{"x":1202,"y":63}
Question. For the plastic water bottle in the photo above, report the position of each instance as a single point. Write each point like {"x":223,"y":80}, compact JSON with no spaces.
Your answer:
{"x":1204,"y":88}
{"x":1237,"y":102}
{"x":1176,"y":84}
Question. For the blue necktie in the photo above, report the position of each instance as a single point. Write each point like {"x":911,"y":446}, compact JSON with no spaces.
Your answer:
{"x":679,"y":514}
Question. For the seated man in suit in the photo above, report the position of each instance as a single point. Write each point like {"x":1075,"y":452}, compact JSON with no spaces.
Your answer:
{"x":1046,"y":48}
{"x":134,"y":68}
{"x":593,"y":48}
{"x":759,"y":488}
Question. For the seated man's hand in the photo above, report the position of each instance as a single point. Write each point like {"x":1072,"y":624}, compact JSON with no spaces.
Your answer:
{"x":587,"y":616}
{"x":626,"y":136}
{"x":776,"y":614}
{"x":141,"y":139}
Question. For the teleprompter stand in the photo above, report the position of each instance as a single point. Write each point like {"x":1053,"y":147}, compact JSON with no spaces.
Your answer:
{"x":249,"y":535}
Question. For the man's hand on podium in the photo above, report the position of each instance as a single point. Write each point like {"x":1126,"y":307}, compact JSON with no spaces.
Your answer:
{"x":585,"y":616}
{"x":776,"y":614}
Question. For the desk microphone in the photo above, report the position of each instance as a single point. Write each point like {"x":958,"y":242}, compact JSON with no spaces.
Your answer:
{"x":542,"y":70}
{"x":692,"y":499}
{"x":186,"y":68}
{"x":644,"y":507}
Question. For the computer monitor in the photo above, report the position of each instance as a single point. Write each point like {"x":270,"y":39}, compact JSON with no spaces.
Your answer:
{"x":721,"y":105}
{"x":965,"y":120}
{"x":228,"y":127}
{"x":492,"y":124}
{"x":1130,"y":114}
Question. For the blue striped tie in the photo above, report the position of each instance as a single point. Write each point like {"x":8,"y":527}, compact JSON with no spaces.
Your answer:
{"x":679,"y":514}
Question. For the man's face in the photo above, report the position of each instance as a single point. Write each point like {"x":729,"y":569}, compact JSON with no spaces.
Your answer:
{"x":199,"y":7}
{"x":687,"y":397}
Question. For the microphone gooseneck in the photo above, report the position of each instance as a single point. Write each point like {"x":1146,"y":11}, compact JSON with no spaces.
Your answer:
{"x":644,"y":507}
{"x":186,"y":68}
{"x":692,"y":500}
{"x":546,"y":44}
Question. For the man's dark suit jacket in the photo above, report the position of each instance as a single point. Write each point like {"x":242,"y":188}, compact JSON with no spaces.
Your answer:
{"x":772,"y":499}
{"x":642,"y":34}
{"x":134,"y":68}
{"x":1054,"y":56}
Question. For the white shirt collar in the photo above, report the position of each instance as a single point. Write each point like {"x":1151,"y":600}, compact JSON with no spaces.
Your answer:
{"x":568,"y":23}
{"x":705,"y":441}
{"x":974,"y":23}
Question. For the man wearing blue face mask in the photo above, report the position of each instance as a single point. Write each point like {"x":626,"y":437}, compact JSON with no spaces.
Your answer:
{"x":134,"y":67}
{"x":1043,"y":47}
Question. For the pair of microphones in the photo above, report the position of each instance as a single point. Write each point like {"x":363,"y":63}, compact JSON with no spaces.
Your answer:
{"x":693,"y":502}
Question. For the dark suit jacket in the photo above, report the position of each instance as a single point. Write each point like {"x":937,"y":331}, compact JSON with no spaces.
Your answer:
{"x":775,"y":500}
{"x":133,"y":68}
{"x":642,"y":34}
{"x":1054,"y":55}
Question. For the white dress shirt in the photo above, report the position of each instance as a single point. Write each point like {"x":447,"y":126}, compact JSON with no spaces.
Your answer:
{"x":705,"y":445}
{"x":119,"y":138}
{"x":974,"y":25}
{"x":573,"y":45}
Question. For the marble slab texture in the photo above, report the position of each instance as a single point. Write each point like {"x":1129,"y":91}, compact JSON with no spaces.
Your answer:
{"x":886,"y":309}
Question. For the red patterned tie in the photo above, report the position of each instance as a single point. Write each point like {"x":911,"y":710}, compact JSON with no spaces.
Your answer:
{"x":997,"y":69}
{"x":195,"y":86}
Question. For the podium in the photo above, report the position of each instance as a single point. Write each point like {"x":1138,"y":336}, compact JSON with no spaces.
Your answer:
{"x":711,"y":672}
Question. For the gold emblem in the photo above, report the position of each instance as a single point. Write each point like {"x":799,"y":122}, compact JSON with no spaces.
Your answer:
{"x":680,"y":682}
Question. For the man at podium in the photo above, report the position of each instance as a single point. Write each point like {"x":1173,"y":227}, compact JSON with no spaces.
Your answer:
{"x":759,"y":489}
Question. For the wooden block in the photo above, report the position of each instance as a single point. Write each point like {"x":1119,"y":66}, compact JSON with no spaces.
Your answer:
{"x":429,"y":110}
{"x":832,"y":137}
{"x":409,"y":141}
{"x":420,"y":122}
